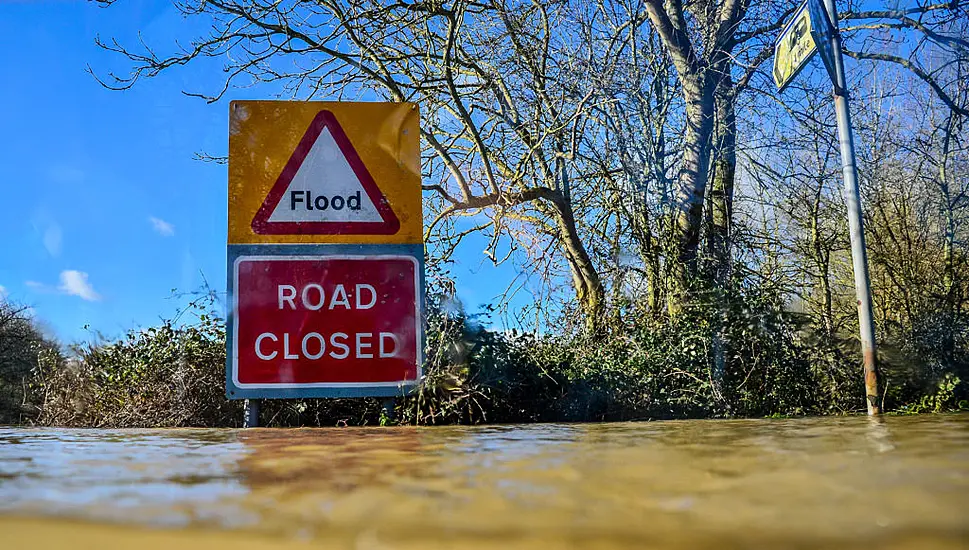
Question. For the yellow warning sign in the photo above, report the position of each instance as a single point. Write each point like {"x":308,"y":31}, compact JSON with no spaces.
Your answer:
{"x":324,"y":172}
{"x":794,"y":48}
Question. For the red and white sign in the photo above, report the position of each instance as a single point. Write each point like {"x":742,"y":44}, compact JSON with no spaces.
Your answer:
{"x":325,"y":189}
{"x":326,"y":321}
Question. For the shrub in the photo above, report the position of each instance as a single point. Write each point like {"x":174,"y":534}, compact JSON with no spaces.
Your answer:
{"x":23,"y":347}
{"x":162,"y":376}
{"x":732,"y":354}
{"x":737,"y":355}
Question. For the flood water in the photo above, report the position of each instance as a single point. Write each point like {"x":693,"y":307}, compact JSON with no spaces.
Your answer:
{"x":807,"y":483}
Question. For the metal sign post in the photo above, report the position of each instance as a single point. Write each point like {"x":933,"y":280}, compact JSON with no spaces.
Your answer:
{"x":856,"y":226}
{"x":827,"y":41}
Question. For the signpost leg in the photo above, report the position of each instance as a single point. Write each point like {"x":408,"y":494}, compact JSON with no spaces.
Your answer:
{"x":250,"y":418}
{"x":859,"y":254}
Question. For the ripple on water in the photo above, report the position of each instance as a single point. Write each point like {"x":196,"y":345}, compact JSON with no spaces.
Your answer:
{"x":804,"y":483}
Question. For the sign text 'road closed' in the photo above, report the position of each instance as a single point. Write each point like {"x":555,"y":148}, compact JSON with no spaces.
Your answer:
{"x":326,"y":321}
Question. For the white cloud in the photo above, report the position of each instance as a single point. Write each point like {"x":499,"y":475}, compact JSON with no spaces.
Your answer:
{"x":34,"y":285}
{"x":52,"y":239}
{"x":75,"y":283}
{"x":162,"y":227}
{"x":3,"y":292}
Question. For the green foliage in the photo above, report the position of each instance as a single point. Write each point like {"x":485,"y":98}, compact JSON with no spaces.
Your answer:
{"x":728,"y":354}
{"x":943,"y":400}
{"x":477,"y":375}
{"x":641,"y":366}
{"x":171,"y":375}
{"x":738,"y":355}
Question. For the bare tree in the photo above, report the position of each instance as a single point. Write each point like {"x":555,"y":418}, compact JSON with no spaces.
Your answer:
{"x":534,"y":110}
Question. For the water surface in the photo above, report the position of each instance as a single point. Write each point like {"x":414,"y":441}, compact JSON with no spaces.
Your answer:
{"x":807,"y":483}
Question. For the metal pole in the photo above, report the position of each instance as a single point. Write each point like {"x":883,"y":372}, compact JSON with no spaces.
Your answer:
{"x":250,"y":414}
{"x":859,"y":254}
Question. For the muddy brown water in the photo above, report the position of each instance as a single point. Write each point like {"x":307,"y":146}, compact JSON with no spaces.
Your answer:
{"x":806,"y":483}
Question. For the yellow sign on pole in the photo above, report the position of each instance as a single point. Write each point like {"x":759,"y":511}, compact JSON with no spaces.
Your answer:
{"x":324,"y":172}
{"x":794,"y":48}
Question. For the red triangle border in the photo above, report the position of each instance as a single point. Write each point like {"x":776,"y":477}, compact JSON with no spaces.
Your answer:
{"x":325,"y":119}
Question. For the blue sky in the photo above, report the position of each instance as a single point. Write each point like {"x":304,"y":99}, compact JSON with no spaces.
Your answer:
{"x":105,"y":212}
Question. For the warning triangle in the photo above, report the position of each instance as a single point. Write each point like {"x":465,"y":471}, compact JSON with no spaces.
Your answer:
{"x":325,"y":189}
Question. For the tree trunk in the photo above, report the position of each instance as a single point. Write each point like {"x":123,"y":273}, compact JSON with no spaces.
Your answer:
{"x":723,"y":184}
{"x":948,"y":340}
{"x":823,"y":264}
{"x":585,"y":279}
{"x":691,"y":189}
{"x":654,"y":288}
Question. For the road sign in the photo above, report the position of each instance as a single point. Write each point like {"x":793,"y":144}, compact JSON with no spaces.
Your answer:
{"x":324,"y":320}
{"x":324,"y":172}
{"x":794,"y":48}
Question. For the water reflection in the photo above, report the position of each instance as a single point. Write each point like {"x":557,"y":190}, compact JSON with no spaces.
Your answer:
{"x":811,"y":482}
{"x":118,"y":475}
{"x":329,"y":460}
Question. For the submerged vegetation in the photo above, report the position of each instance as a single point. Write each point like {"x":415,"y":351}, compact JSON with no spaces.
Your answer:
{"x":638,"y":368}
